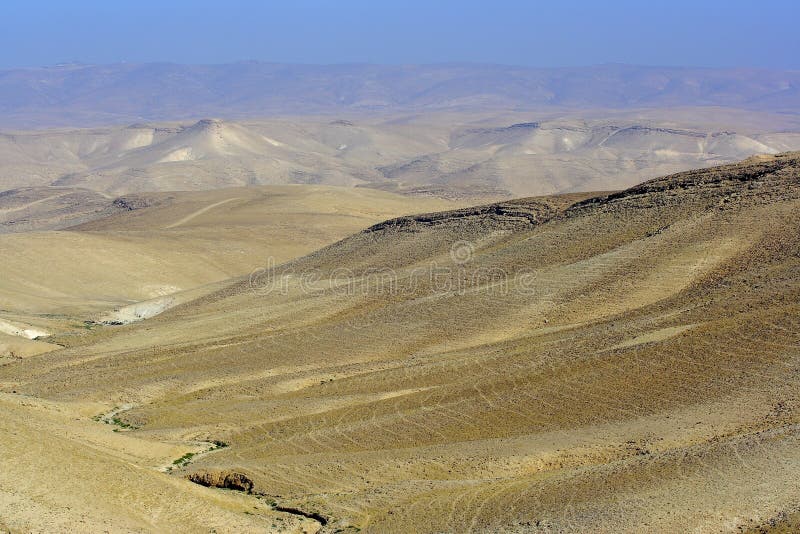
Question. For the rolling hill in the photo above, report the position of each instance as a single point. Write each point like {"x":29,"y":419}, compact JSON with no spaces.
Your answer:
{"x":604,"y":363}
{"x":88,"y":257}
{"x":467,"y":156}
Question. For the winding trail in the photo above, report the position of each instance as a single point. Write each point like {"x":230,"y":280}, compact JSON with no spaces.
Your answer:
{"x":34,"y":203}
{"x":199,"y":212}
{"x":190,"y":457}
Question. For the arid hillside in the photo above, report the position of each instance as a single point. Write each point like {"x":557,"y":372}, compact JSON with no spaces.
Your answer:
{"x":477,"y":157}
{"x":134,"y":256}
{"x":617,"y":363}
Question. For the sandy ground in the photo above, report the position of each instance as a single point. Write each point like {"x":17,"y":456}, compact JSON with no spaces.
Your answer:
{"x":465,"y":155}
{"x":62,"y":471}
{"x":635,"y":368}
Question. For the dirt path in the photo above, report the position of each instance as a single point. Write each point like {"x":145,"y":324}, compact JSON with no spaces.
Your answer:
{"x":49,"y":482}
{"x":207,"y":448}
{"x":34,"y":203}
{"x":199,"y":212}
{"x":202,"y":449}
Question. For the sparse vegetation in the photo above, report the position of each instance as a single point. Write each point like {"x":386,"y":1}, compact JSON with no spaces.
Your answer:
{"x":111,"y":418}
{"x":183,"y":460}
{"x":187,"y":458}
{"x":638,"y":344}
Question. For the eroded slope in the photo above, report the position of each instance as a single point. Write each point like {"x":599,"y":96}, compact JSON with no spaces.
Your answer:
{"x":627,"y":363}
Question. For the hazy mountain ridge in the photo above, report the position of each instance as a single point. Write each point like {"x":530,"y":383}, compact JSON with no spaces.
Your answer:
{"x":81,"y":95}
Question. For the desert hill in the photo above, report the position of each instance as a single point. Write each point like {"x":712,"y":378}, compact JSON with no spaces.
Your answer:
{"x":88,"y":255}
{"x":29,"y":209}
{"x":468,"y":156}
{"x":547,"y":364}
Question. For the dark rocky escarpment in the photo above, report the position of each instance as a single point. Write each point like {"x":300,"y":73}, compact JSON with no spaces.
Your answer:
{"x":764,"y":177}
{"x":512,"y":213}
{"x":232,"y":480}
{"x":223,"y":479}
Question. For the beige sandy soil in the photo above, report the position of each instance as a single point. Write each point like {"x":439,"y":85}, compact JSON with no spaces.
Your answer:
{"x":473,"y":155}
{"x":63,"y":472}
{"x":625,"y":363}
{"x":172,"y":243}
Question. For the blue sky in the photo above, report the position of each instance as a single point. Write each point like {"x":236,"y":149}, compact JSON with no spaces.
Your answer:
{"x":565,"y":33}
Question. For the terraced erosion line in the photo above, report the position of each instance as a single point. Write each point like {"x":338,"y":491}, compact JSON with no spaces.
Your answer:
{"x":221,"y":480}
{"x":110,"y":418}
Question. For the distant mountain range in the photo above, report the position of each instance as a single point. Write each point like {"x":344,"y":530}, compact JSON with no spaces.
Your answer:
{"x":84,"y":95}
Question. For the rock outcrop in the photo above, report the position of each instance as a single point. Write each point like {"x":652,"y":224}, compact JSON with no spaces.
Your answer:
{"x":223,"y":479}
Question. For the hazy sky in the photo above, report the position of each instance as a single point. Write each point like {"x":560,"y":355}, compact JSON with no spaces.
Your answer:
{"x":760,"y":33}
